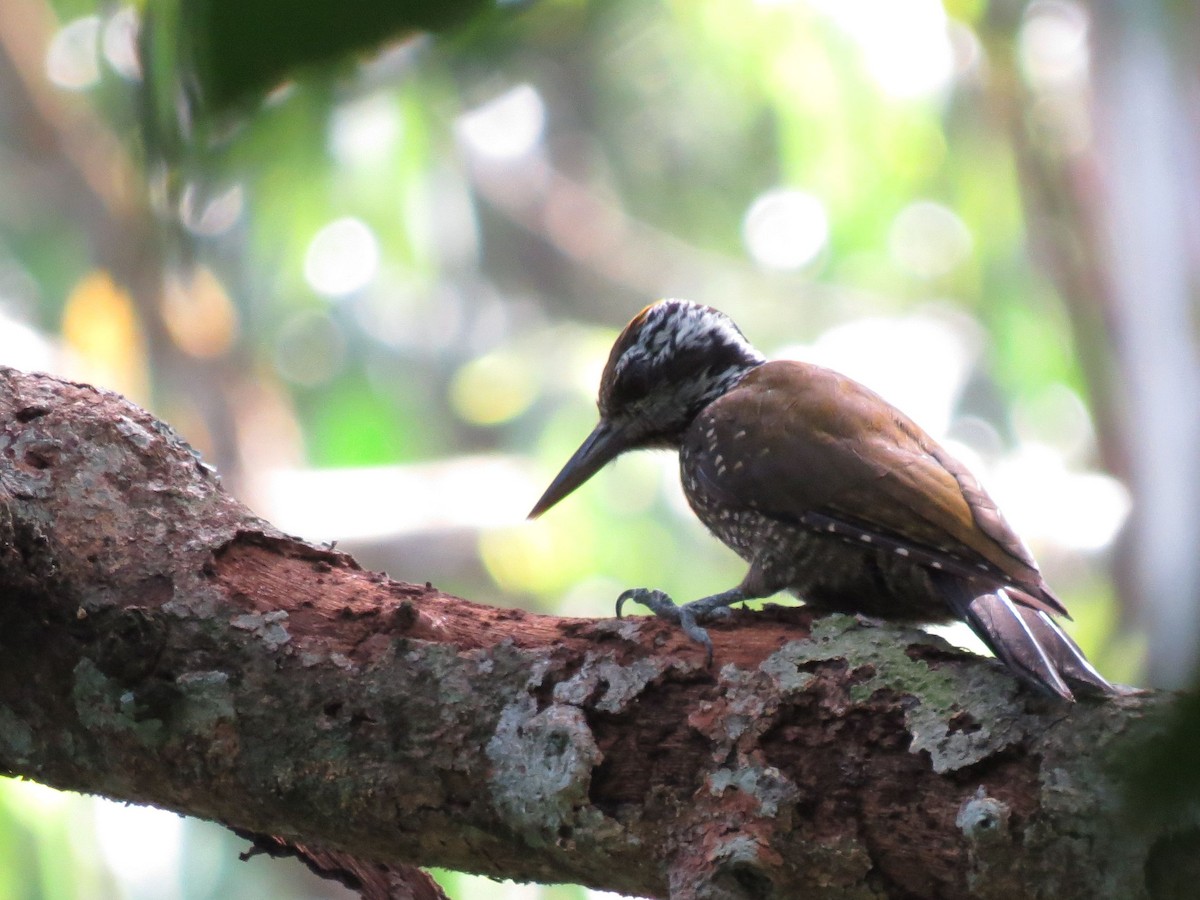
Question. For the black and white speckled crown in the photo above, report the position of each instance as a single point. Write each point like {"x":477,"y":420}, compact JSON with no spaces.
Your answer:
{"x":674,"y":358}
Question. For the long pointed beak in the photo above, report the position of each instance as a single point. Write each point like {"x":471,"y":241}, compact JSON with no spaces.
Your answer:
{"x":602,"y":445}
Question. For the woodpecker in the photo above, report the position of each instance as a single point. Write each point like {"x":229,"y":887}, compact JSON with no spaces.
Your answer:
{"x":825,"y":489}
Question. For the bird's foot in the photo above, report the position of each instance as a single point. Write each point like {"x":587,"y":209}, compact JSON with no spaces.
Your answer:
{"x":688,"y":616}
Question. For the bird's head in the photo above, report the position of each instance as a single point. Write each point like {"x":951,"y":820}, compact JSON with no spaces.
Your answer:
{"x":671,"y":361}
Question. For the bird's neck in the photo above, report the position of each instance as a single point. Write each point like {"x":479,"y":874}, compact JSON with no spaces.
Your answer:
{"x":695,"y":396}
{"x":726,"y":380}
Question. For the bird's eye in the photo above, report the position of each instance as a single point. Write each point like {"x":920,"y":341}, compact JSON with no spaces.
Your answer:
{"x":633,"y":385}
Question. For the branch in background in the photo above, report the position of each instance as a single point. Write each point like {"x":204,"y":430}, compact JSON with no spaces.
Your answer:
{"x":374,"y":881}
{"x":1105,"y":165}
{"x":593,"y":231}
{"x":162,"y":645}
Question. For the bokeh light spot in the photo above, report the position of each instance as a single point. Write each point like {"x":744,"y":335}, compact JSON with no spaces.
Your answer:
{"x":905,"y":43}
{"x":1045,"y":502}
{"x":209,"y":217}
{"x":928,"y":239}
{"x":538,"y":557}
{"x":100,"y":326}
{"x":1057,"y":417}
{"x":72,"y":59}
{"x":198,"y":314}
{"x":120,"y":43}
{"x":493,"y":389}
{"x":785,"y":229}
{"x":1053,"y":44}
{"x":342,"y":258}
{"x":366,"y":131}
{"x":506,"y":127}
{"x":310,"y":349}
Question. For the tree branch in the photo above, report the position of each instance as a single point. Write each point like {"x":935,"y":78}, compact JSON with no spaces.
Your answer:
{"x":162,"y":645}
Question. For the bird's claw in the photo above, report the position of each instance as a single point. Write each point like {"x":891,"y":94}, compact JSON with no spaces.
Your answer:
{"x":685,"y":616}
{"x":658,"y":602}
{"x":687,"y":621}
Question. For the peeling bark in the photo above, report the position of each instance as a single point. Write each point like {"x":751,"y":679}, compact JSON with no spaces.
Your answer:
{"x":162,"y":645}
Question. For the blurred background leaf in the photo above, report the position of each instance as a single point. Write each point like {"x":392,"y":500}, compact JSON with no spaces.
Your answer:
{"x":370,"y":259}
{"x":238,"y":51}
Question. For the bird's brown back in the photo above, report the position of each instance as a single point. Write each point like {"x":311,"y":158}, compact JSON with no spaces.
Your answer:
{"x":795,"y":440}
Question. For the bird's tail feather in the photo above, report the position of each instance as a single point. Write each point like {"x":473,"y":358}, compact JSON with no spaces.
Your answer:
{"x":1027,"y":639}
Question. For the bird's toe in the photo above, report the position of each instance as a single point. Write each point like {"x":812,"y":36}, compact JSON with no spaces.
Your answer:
{"x":658,"y":602}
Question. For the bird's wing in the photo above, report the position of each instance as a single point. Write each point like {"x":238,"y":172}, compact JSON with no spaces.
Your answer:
{"x":803,"y":443}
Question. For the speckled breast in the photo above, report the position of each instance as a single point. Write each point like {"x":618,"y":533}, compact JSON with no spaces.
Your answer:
{"x":824,"y":571}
